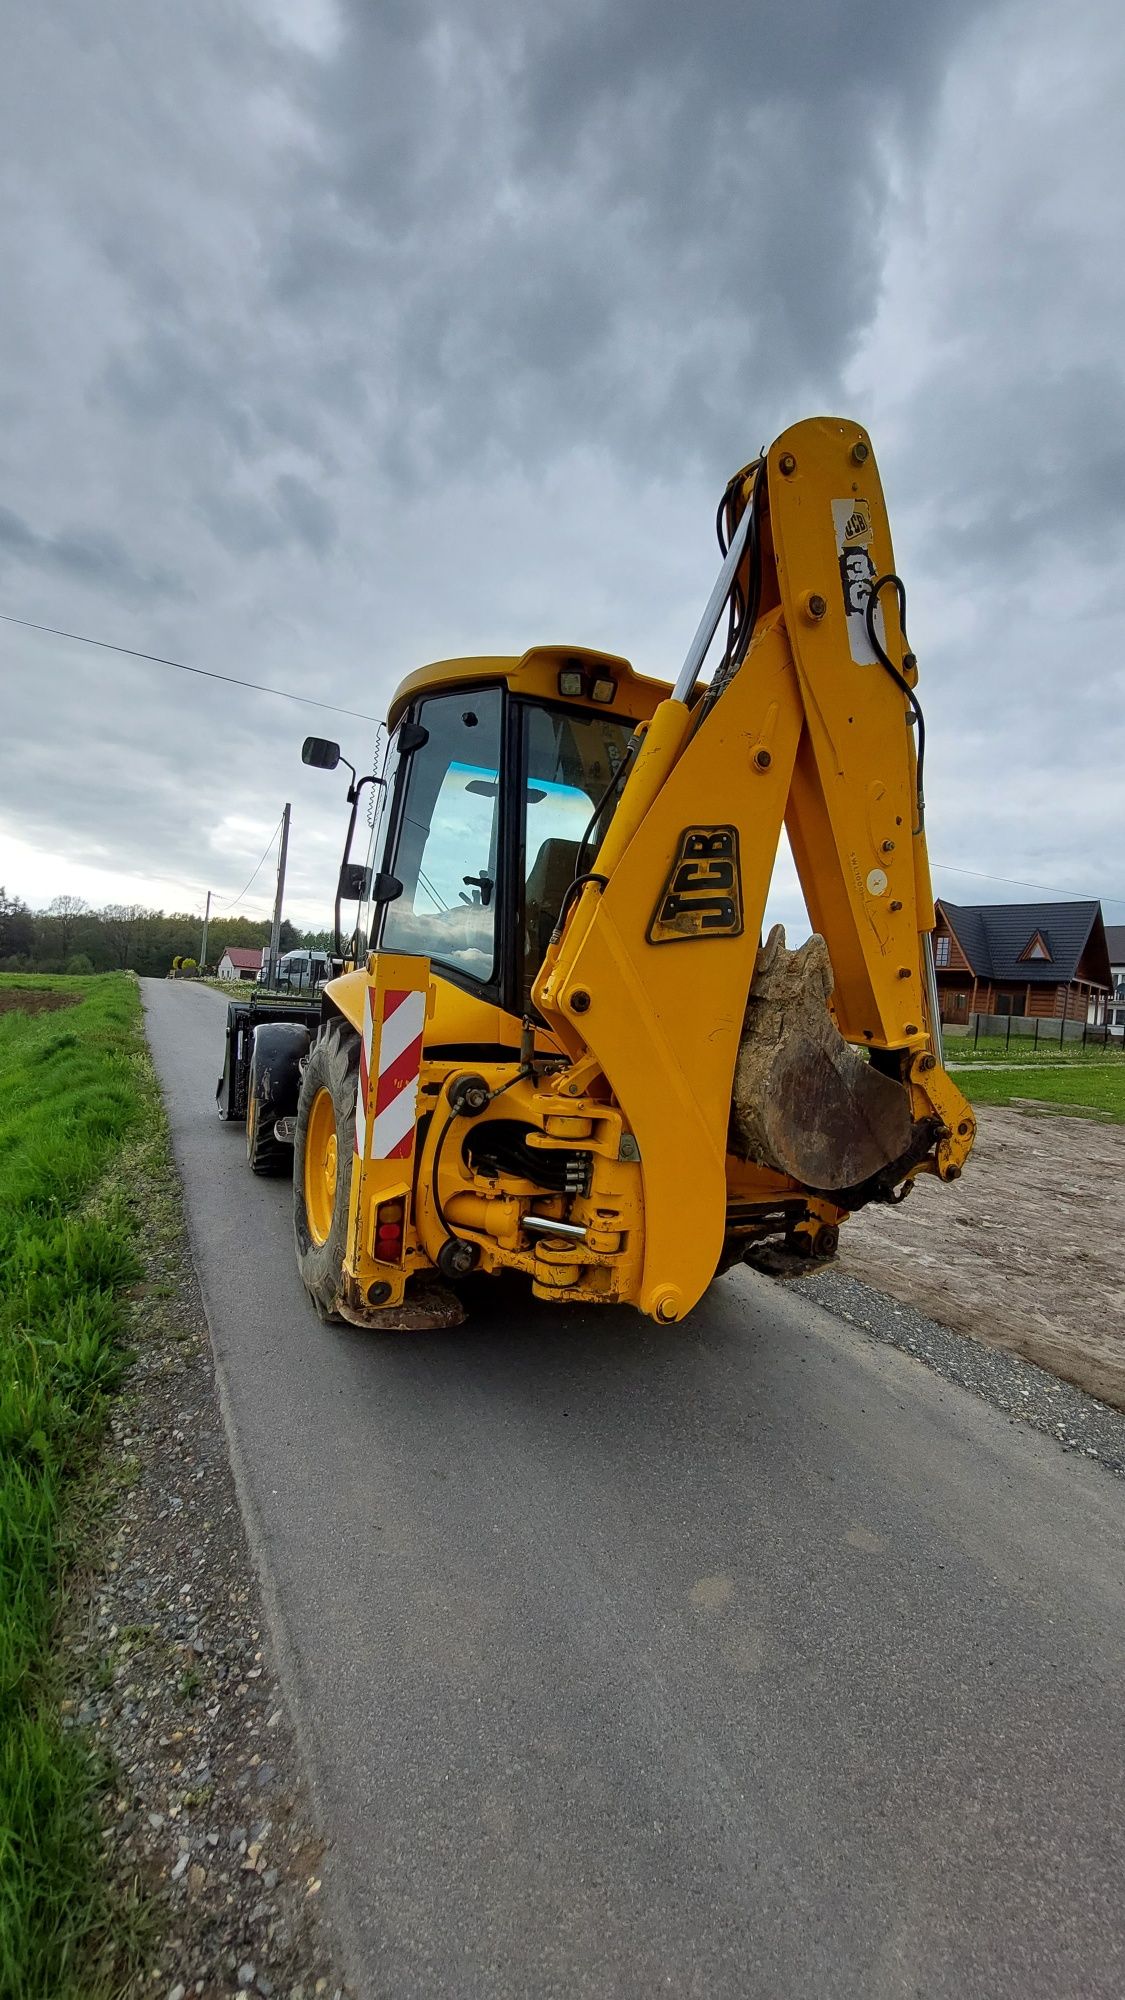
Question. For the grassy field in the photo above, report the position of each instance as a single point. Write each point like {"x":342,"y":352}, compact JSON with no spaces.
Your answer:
{"x":1082,"y":1086}
{"x":73,"y":1086}
{"x":1023,"y":1049}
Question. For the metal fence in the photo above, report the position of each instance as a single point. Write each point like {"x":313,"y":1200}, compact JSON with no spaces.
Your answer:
{"x":1041,"y":1031}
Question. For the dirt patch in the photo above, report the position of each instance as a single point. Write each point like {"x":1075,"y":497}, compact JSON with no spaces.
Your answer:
{"x":1024,"y":1253}
{"x":36,"y":1000}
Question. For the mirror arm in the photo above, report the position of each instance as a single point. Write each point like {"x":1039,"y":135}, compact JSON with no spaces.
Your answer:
{"x":353,"y":800}
{"x":354,"y":790}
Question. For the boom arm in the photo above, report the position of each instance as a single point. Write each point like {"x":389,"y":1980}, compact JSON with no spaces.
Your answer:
{"x":649,"y":983}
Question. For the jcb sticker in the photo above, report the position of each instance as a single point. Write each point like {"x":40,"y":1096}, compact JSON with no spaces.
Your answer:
{"x":857,"y":527}
{"x":851,"y":520}
{"x":702,"y":897}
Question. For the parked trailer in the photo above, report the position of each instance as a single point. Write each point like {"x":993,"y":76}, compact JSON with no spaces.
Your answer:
{"x":266,"y":1042}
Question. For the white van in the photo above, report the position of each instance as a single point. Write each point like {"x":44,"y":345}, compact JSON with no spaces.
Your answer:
{"x":298,"y":971}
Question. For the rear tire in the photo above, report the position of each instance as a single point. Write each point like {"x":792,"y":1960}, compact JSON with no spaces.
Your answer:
{"x":322,"y":1160}
{"x":271,"y":1092}
{"x":266,"y":1155}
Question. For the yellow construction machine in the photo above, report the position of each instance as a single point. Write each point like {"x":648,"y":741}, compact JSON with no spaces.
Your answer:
{"x":556,"y":1043}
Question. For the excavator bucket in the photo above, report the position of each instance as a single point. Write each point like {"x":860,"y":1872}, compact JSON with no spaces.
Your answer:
{"x":805,"y":1101}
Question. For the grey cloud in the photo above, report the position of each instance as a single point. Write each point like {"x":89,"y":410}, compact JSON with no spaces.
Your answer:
{"x":205,"y":377}
{"x":241,"y":523}
{"x":588,"y":55}
{"x":1023,"y":474}
{"x":17,"y":537}
{"x":165,"y":377}
{"x":306,"y":512}
{"x":446,"y":338}
{"x":133,"y":768}
{"x":249,"y":525}
{"x":85,"y":556}
{"x":617,"y":223}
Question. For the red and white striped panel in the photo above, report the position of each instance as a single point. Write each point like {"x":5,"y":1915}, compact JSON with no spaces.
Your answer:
{"x":396,"y":1084}
{"x":364,"y":1073}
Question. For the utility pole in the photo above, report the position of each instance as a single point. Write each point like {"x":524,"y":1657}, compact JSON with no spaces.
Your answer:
{"x":275,"y":939}
{"x":203,"y":946}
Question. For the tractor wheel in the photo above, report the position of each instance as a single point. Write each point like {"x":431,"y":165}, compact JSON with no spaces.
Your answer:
{"x":322,"y":1160}
{"x":271,"y":1093}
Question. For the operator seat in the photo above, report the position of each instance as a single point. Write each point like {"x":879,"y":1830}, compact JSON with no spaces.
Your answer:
{"x":550,"y":877}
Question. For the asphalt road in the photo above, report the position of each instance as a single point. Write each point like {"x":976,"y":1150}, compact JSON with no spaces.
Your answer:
{"x":741,"y":1658}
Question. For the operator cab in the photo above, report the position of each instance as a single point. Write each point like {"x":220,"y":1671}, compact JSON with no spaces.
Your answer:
{"x":493,"y":786}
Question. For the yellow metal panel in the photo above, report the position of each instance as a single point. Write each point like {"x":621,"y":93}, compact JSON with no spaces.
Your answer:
{"x":535,"y":674}
{"x":348,"y":993}
{"x":810,"y":728}
{"x":664,"y":1021}
{"x":462,"y":1020}
{"x":456,"y":1018}
{"x":852,"y":816}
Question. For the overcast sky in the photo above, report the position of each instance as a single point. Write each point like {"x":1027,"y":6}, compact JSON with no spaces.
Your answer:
{"x":341,"y":335}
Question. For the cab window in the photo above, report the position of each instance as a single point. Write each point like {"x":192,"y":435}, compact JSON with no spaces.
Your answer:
{"x":445,"y":842}
{"x":570,"y":758}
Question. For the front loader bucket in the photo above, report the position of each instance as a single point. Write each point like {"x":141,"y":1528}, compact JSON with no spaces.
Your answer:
{"x":805,"y":1101}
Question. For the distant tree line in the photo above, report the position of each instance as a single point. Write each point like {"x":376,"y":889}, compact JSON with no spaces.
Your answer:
{"x":69,"y":936}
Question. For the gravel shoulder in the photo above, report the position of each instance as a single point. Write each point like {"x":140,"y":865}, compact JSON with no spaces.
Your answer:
{"x":1024,"y":1253}
{"x":1028,"y":1394}
{"x":210,"y":1837}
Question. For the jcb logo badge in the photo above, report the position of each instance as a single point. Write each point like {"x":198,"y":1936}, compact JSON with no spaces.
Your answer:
{"x":857,"y":527}
{"x":702,"y":897}
{"x":854,"y":530}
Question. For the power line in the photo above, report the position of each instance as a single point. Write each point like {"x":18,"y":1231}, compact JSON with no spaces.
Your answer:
{"x":360,"y":715}
{"x":257,"y":871}
{"x":1012,"y":882}
{"x":205,"y":673}
{"x":254,"y":913}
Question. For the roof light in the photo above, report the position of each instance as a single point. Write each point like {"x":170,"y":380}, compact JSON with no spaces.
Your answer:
{"x":604,"y":688}
{"x":572,"y":683}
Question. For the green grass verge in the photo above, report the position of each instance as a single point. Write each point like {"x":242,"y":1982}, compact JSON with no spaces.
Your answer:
{"x":73,"y":1086}
{"x":1023,"y":1049}
{"x":1064,"y":1086}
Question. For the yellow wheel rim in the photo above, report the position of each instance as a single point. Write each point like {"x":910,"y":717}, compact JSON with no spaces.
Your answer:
{"x":321,"y":1166}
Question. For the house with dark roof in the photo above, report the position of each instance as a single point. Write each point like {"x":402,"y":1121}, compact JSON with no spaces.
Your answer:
{"x":1115,"y":939}
{"x":1045,"y":959}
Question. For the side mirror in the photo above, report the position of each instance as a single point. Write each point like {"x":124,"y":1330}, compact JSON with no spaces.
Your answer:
{"x":355,"y":882}
{"x":318,"y":751}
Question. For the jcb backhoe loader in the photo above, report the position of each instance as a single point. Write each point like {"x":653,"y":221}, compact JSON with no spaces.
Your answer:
{"x":556,"y":1043}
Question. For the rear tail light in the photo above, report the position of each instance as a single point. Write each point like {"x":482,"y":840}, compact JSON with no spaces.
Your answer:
{"x":390,"y":1217}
